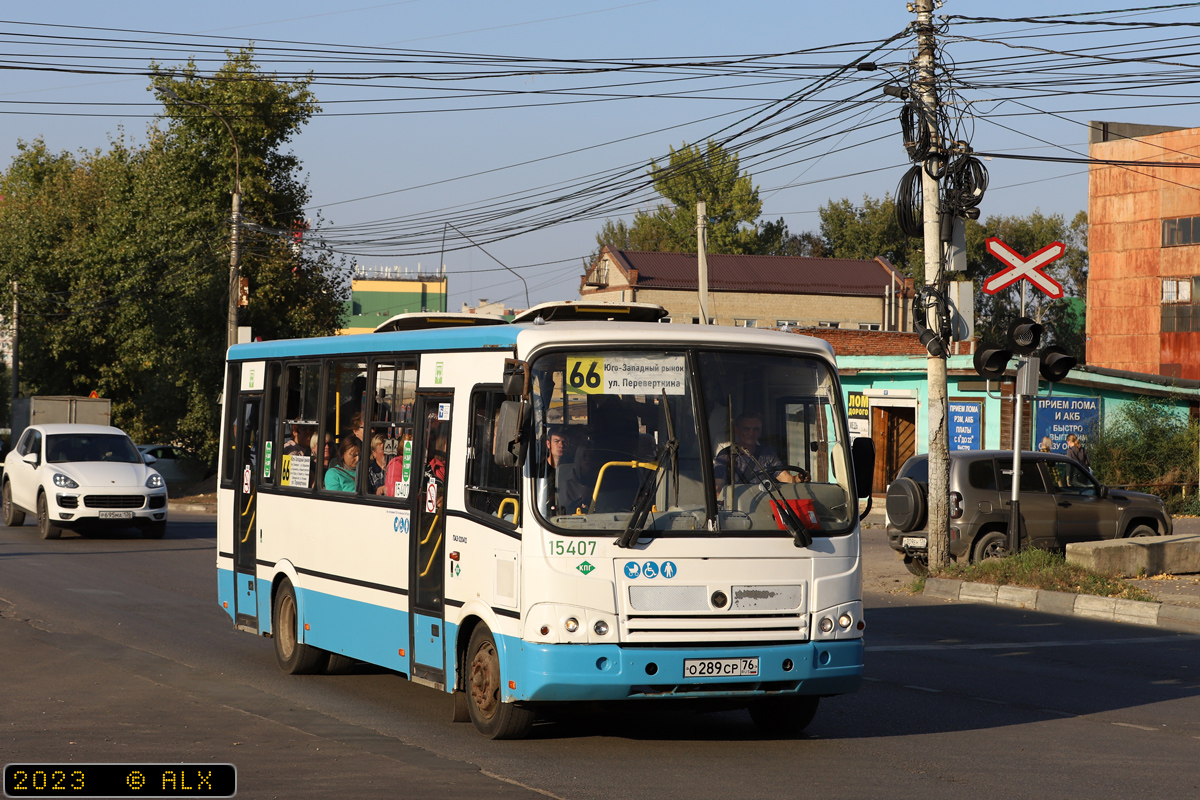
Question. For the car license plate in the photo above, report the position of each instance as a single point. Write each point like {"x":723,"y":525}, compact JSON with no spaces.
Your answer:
{"x":913,"y":541}
{"x":720,"y":667}
{"x":116,"y":515}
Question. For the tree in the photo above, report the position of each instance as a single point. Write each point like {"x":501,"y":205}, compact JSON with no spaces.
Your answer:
{"x":732,"y":207}
{"x":1063,"y":318}
{"x":122,"y":255}
{"x":870,"y":230}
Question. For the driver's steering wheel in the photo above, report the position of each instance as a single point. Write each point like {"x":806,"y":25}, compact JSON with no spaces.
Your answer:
{"x":802,"y":473}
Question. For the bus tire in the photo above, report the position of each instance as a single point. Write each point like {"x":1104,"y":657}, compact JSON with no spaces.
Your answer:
{"x":294,"y":657}
{"x":13,"y":516}
{"x":784,"y":716}
{"x":46,"y":526}
{"x":493,"y":718}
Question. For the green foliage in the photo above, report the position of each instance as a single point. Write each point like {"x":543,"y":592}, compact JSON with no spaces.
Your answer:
{"x":693,"y":173}
{"x":123,"y":255}
{"x":870,"y":230}
{"x":1147,"y":443}
{"x":1043,"y":569}
{"x":1063,"y":319}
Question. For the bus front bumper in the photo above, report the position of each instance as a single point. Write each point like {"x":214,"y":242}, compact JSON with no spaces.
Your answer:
{"x":568,"y":672}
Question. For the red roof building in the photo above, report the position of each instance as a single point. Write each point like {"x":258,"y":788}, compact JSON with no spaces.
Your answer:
{"x":758,"y":291}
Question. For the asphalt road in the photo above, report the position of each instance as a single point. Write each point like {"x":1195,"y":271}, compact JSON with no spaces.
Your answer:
{"x":114,"y":649}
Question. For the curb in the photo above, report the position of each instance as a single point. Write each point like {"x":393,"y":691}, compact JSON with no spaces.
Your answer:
{"x":203,"y":508}
{"x":1108,"y":609}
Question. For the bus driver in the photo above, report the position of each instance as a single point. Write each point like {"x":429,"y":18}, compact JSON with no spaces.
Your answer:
{"x":750,"y":455}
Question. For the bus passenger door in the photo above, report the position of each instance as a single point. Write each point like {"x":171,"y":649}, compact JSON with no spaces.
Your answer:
{"x":245,"y":549}
{"x":428,"y":539}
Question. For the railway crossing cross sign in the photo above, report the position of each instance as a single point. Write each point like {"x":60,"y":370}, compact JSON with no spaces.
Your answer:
{"x":1021,"y":267}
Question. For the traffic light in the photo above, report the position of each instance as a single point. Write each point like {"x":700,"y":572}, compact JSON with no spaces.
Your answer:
{"x":1024,"y":336}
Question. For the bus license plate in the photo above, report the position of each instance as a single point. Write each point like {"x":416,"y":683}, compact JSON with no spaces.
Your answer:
{"x":116,"y":515}
{"x":912,"y":541}
{"x":720,"y":667}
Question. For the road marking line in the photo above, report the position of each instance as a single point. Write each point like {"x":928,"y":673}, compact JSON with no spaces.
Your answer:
{"x":924,"y":689}
{"x":916,"y":648}
{"x":1131,"y":725}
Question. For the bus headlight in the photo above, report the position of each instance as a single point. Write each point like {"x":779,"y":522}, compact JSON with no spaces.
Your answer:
{"x":572,"y":625}
{"x":826,"y":624}
{"x":601,"y":627}
{"x":845,"y":621}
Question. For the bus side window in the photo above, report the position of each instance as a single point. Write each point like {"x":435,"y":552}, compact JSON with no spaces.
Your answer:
{"x":491,"y":490}
{"x":387,"y":448}
{"x":299,"y":396}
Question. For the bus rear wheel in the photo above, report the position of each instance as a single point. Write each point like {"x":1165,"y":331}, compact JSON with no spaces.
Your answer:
{"x":294,"y":657}
{"x":492,"y":717}
{"x":784,"y":716}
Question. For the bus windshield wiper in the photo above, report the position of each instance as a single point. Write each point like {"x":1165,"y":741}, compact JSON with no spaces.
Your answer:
{"x":786,"y":513}
{"x":648,"y":490}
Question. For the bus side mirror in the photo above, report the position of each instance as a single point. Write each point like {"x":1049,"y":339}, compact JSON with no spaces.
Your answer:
{"x":508,"y":439}
{"x":863,"y":454}
{"x":516,"y":378}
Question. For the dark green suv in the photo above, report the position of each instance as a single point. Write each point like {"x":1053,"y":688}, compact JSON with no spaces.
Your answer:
{"x":1060,"y":503}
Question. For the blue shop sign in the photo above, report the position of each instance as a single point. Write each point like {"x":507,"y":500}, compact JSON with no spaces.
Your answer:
{"x":966,"y":425}
{"x":1058,"y":416}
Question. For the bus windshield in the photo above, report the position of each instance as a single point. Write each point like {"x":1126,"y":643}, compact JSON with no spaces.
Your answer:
{"x":770,"y":433}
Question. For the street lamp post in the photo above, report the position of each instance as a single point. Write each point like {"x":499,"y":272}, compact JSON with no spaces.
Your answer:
{"x":235,"y":236}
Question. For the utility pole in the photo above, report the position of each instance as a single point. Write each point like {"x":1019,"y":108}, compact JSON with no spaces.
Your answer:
{"x":15,"y":377}
{"x":937,"y":412}
{"x":702,"y":257}
{"x":235,"y":264}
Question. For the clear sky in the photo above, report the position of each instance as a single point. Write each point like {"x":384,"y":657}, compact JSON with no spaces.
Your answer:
{"x":373,"y":153}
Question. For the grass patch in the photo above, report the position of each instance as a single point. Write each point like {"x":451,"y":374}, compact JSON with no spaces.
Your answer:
{"x":1042,"y":569}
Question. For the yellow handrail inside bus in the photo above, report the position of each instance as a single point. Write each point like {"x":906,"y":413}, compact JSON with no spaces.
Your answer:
{"x":437,"y":546}
{"x":634,"y":464}
{"x":249,"y":527}
{"x":504,"y":503}
{"x":432,"y":525}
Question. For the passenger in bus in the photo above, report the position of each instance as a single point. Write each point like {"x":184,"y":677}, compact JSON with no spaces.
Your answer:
{"x":300,"y":442}
{"x":342,"y":477}
{"x":752,"y":462}
{"x":327,"y":454}
{"x":377,"y":466}
{"x":356,"y":428}
{"x":555,"y":445}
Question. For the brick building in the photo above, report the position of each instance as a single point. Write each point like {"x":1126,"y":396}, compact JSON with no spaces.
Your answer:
{"x":1143,"y":300}
{"x":758,"y":291}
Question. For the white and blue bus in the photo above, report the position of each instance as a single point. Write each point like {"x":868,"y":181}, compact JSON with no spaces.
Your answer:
{"x":559,"y":509}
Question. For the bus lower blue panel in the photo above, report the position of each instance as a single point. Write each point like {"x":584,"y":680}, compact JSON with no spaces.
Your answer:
{"x":360,"y":630}
{"x":610,"y":672}
{"x":247,"y":599}
{"x":428,"y":647}
{"x":225,"y":591}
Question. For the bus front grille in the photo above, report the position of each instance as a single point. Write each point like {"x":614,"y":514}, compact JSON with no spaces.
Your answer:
{"x":652,"y":628}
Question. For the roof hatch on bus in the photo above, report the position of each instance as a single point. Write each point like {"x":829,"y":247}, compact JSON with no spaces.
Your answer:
{"x":563,"y":310}
{"x":424,"y":320}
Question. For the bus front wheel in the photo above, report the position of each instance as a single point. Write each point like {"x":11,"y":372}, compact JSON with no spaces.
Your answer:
{"x":493,"y":718}
{"x":294,"y":657}
{"x":784,"y":716}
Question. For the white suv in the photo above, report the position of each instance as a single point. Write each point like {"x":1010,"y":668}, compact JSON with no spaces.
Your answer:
{"x":82,"y":477}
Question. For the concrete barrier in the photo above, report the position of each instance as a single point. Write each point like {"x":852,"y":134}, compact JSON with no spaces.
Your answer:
{"x":1150,"y":555}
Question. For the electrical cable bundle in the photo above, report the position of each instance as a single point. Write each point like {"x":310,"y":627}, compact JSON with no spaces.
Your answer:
{"x":914,"y":125}
{"x":964,"y":185}
{"x":909,"y":213}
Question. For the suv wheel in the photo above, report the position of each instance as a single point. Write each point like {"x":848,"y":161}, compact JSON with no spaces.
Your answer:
{"x":993,"y":544}
{"x":46,"y":526}
{"x":13,"y":517}
{"x":1141,"y":531}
